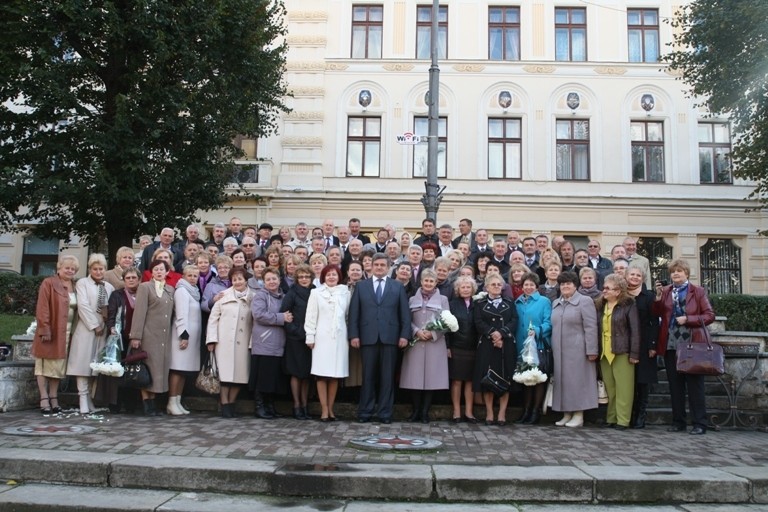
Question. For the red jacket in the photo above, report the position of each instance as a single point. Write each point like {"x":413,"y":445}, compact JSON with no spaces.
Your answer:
{"x":697,"y":308}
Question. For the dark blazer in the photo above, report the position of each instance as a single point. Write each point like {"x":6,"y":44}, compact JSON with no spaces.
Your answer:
{"x":146,"y":255}
{"x":386,"y":322}
{"x":697,"y":309}
{"x":472,"y":244}
{"x":363,"y":238}
{"x":421,"y":240}
{"x":335,"y":240}
{"x":466,"y":337}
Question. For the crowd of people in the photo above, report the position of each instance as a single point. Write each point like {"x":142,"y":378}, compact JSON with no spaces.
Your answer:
{"x":331,"y":307}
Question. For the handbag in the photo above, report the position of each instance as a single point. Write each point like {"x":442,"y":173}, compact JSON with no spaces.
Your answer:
{"x":602,"y":393}
{"x":208,"y":378}
{"x":136,"y":373}
{"x":701,"y":358}
{"x":546,"y":359}
{"x":493,"y":382}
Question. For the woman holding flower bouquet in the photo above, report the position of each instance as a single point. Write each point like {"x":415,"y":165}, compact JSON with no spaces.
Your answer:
{"x":534,"y":314}
{"x":425,"y":363}
{"x":496,"y":322}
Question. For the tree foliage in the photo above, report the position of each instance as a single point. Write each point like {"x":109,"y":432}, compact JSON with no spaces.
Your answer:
{"x":721,"y":48}
{"x":118,"y":116}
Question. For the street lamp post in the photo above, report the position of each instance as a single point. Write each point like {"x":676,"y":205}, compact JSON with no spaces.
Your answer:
{"x":434,"y":194}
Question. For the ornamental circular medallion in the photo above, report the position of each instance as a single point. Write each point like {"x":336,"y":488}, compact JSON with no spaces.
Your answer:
{"x":48,"y":430}
{"x":395,"y":442}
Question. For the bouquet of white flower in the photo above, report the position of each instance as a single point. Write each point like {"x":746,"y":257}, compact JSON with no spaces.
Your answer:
{"x":108,"y":360}
{"x":443,"y":323}
{"x":527,"y":371}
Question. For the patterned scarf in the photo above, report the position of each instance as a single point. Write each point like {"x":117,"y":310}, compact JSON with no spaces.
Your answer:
{"x":679,"y":292}
{"x":101,"y":303}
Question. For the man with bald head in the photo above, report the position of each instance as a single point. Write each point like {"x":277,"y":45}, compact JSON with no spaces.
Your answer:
{"x":328,"y":236}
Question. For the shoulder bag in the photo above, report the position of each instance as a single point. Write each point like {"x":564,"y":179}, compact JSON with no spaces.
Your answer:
{"x":493,"y":382}
{"x":136,"y":373}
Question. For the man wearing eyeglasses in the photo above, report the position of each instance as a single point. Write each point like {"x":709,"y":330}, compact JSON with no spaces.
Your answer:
{"x":603,"y":266}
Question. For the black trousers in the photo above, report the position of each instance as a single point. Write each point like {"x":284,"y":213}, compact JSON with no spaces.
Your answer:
{"x":378,"y":372}
{"x":678,"y":383}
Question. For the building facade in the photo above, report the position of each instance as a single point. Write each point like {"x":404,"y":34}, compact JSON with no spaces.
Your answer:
{"x":555,"y":118}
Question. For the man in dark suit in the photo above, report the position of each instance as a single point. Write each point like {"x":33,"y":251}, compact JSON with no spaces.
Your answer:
{"x":603,"y":266}
{"x":328,"y":236}
{"x":354,"y":231}
{"x":166,"y":242}
{"x":531,"y":256}
{"x":465,"y":235}
{"x":379,"y":324}
{"x":427,"y":233}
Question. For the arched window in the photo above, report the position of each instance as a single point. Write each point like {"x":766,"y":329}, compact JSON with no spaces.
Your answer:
{"x":720,"y":261}
{"x":659,"y":255}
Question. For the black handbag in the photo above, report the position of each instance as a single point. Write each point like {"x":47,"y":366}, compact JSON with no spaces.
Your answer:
{"x":701,"y":358}
{"x":136,"y":374}
{"x":495,"y":383}
{"x":546,"y":360}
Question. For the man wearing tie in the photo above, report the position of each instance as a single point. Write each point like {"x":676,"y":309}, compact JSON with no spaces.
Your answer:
{"x":328,"y":235}
{"x":531,"y":256}
{"x":379,"y":324}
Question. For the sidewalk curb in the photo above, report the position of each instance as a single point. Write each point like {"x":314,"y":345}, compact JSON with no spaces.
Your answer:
{"x":399,"y":482}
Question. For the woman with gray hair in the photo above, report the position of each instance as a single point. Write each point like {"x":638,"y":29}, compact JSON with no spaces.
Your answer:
{"x":462,"y":345}
{"x":90,"y":334}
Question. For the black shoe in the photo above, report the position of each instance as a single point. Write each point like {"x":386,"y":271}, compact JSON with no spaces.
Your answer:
{"x":501,"y":423}
{"x":697,"y":431}
{"x":620,"y":427}
{"x":489,"y":423}
{"x":114,"y":408}
{"x":55,"y":409}
{"x":415,"y":417}
{"x":270,"y":407}
{"x":471,"y":420}
{"x":262,"y":412}
{"x":676,"y":428}
{"x":46,"y":410}
{"x":609,"y":425}
{"x":325,"y":420}
{"x":227,"y":410}
{"x":457,"y":419}
{"x":525,"y":417}
{"x":298,"y":413}
{"x":363,"y":420}
{"x":305,"y":414}
{"x":386,"y":421}
{"x":149,"y":407}
{"x":533,"y":419}
{"x":425,"y":419}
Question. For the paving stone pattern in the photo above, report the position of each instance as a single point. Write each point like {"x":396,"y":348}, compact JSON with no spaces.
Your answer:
{"x":290,"y":441}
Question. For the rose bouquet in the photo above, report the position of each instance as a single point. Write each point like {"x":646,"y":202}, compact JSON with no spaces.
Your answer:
{"x":443,"y":323}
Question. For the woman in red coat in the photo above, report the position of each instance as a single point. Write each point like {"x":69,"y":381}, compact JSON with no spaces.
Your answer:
{"x":684,"y":310}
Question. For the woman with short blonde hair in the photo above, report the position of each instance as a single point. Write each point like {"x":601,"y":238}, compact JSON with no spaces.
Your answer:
{"x":123,"y":261}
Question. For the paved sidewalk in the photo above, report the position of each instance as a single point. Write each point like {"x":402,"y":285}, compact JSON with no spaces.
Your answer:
{"x":290,"y":441}
{"x":284,"y":457}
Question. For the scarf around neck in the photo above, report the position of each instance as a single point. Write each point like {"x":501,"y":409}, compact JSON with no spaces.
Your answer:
{"x":193,"y":291}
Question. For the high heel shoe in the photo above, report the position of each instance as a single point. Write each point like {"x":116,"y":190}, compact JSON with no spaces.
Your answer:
{"x":55,"y":409}
{"x":45,"y":410}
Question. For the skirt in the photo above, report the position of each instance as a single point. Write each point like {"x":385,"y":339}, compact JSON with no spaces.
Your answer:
{"x":51,"y":368}
{"x":297,"y":360}
{"x":267,"y":375}
{"x":461,"y":364}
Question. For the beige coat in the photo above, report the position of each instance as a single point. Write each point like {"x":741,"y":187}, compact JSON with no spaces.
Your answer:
{"x":151,"y":325}
{"x":51,"y":315}
{"x":229,"y":327}
{"x":86,"y":344}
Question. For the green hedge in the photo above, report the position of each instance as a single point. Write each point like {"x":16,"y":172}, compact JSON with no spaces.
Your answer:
{"x":744,"y":312}
{"x":18,"y":294}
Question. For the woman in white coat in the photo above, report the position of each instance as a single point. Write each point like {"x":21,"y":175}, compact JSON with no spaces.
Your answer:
{"x":326,"y":328}
{"x":228,"y":337}
{"x":90,"y":334}
{"x":185,"y":338}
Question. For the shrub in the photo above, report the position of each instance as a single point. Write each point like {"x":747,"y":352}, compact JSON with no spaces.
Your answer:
{"x":18,"y":294}
{"x":744,"y":312}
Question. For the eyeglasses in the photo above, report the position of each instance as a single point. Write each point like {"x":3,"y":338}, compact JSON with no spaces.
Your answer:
{"x":304,"y":276}
{"x":593,"y":246}
{"x":249,"y":245}
{"x":494,"y":284}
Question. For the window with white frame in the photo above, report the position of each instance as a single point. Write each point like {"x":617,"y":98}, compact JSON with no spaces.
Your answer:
{"x":643,"y":35}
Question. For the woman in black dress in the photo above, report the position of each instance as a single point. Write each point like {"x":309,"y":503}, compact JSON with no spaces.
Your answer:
{"x":645,"y":370}
{"x":298,"y":357}
{"x":462,"y":345}
{"x":496,"y":321}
